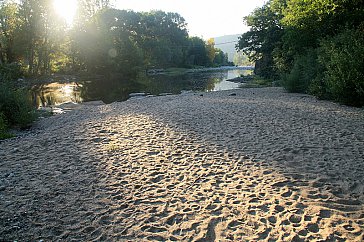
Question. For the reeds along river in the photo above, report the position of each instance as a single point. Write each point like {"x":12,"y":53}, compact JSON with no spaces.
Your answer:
{"x":63,"y":89}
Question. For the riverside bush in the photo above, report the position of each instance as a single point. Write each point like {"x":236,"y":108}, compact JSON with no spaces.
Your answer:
{"x":343,"y":61}
{"x":304,"y":71}
{"x":10,"y":72}
{"x":3,"y":128}
{"x":15,"y":107}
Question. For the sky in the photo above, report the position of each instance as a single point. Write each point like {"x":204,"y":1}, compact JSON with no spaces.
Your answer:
{"x":205,"y":18}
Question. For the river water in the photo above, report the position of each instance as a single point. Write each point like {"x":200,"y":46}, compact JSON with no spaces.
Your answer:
{"x":64,"y":89}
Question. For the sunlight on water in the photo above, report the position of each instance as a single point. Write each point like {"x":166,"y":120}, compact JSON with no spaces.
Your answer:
{"x":226,"y":85}
{"x":110,"y":90}
{"x":56,"y":94}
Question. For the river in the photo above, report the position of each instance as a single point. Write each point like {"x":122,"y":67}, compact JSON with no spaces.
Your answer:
{"x":64,"y":89}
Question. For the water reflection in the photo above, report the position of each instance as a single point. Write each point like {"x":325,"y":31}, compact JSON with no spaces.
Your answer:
{"x":116,"y":89}
{"x":56,"y":93}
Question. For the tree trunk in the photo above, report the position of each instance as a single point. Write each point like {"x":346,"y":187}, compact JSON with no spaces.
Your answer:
{"x":31,"y":58}
{"x":1,"y":55}
{"x":9,"y":52}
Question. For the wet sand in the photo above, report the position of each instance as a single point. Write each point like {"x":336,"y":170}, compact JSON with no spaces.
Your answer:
{"x":259,"y":165}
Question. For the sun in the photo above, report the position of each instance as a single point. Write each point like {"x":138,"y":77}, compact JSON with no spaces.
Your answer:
{"x":66,"y":9}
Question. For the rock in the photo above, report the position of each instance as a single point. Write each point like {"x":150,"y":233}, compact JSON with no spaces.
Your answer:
{"x":57,"y":110}
{"x":165,"y":94}
{"x":94,"y":103}
{"x":45,"y":109}
{"x":138,"y":94}
{"x":68,"y":105}
{"x":137,"y":98}
{"x":184,"y":92}
{"x":241,"y":79}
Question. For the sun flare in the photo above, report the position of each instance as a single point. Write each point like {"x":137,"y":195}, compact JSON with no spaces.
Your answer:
{"x":66,"y":9}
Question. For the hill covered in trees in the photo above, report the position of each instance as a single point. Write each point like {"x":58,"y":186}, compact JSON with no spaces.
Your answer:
{"x":313,"y":46}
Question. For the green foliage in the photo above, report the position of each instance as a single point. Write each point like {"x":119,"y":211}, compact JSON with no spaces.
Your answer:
{"x":220,"y":59}
{"x":305,"y":42}
{"x":39,"y":36}
{"x":163,"y":38}
{"x":242,"y":59}
{"x":255,"y":81}
{"x":102,"y":40}
{"x":262,"y":39}
{"x":304,"y":71}
{"x":8,"y":26}
{"x":264,"y":67}
{"x":343,"y":60}
{"x":107,"y":47}
{"x":3,"y":126}
{"x":15,"y":106}
{"x":120,"y":41}
{"x":9,"y":72}
{"x":197,"y":53}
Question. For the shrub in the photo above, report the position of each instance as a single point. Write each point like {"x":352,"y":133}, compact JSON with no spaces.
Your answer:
{"x":303,"y":73}
{"x":3,"y":128}
{"x":343,"y":59}
{"x":10,"y":72}
{"x":15,"y":106}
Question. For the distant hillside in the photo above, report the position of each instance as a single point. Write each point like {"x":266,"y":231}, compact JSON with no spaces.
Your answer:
{"x":227,"y":44}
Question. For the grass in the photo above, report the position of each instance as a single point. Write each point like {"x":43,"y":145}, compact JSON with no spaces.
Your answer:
{"x":16,"y":110}
{"x":5,"y":135}
{"x":257,"y":82}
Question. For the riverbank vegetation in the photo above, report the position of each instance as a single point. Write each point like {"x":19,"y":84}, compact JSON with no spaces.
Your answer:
{"x":15,"y":106}
{"x":101,"y":41}
{"x":314,"y":47}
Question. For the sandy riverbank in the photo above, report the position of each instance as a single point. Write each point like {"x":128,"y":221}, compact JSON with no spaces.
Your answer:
{"x":261,"y":165}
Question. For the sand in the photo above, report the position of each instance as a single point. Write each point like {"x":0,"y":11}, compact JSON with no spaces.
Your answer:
{"x":259,"y":165}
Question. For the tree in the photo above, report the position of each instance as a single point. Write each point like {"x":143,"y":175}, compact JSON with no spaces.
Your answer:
{"x":164,"y":38}
{"x":262,"y":39}
{"x":220,"y":59}
{"x":197,"y":53}
{"x":242,"y":59}
{"x":315,"y":46}
{"x":107,"y":45}
{"x":39,"y":35}
{"x":9,"y":22}
{"x":210,"y":48}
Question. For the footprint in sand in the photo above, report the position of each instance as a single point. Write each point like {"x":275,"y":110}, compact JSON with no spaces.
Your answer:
{"x":313,"y":228}
{"x":272,"y":219}
{"x":295,"y":219}
{"x":279,"y":208}
{"x":325,"y":213}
